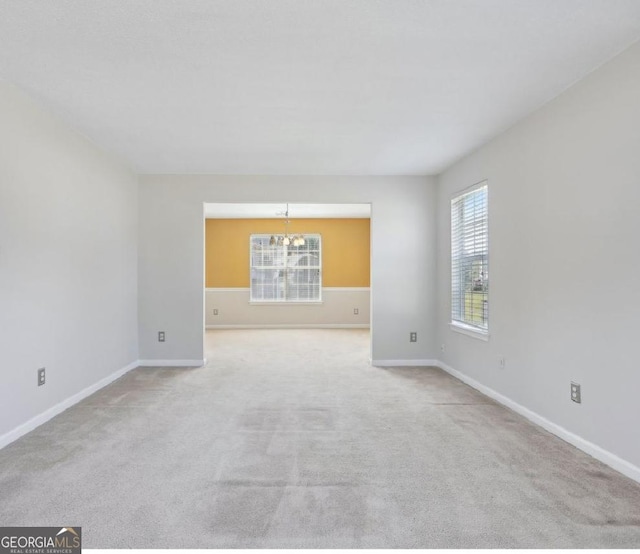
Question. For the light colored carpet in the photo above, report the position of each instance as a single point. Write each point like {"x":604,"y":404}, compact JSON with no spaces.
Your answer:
{"x":291,"y":439}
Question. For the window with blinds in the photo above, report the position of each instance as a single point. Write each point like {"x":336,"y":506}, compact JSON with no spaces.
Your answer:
{"x":470,"y":259}
{"x":285,"y":273}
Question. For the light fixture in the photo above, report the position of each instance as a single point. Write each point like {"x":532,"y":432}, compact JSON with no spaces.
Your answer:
{"x":286,"y":239}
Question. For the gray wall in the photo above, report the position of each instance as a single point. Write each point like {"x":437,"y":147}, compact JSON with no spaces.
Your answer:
{"x":172,"y":262}
{"x":68,"y":269}
{"x":564,"y":195}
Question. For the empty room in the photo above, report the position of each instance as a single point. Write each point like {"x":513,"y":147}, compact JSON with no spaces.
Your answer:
{"x":319,"y":274}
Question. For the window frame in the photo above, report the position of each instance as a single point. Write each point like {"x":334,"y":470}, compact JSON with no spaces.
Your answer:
{"x":285,"y":255}
{"x":464,"y":325}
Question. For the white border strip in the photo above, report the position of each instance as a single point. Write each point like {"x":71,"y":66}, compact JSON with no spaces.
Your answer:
{"x":294,"y":326}
{"x":45,"y":416}
{"x":606,"y":457}
{"x":172,"y":363}
{"x":404,"y":363}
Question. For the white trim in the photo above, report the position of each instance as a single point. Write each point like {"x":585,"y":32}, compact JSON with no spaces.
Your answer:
{"x":272,"y":210}
{"x":172,"y":363}
{"x":468,"y":190}
{"x":347,"y":289}
{"x":60,"y":407}
{"x":294,"y":326}
{"x":469,"y":331}
{"x":404,"y":363}
{"x":330,"y":289}
{"x":599,"y":453}
{"x":286,"y":303}
{"x":228,"y":289}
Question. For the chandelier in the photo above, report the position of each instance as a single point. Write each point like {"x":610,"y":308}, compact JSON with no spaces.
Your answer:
{"x":286,"y":239}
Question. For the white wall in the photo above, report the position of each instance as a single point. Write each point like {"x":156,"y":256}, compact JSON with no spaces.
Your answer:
{"x":564,"y":195}
{"x":68,"y":269}
{"x":172,"y":260}
{"x":335,"y":310}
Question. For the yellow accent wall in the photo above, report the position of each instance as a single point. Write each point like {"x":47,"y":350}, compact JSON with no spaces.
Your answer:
{"x":345,"y":249}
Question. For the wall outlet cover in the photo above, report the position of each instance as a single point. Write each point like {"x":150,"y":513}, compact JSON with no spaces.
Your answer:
{"x":576,"y":393}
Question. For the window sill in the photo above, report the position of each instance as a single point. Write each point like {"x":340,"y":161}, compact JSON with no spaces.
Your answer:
{"x":469,"y":331}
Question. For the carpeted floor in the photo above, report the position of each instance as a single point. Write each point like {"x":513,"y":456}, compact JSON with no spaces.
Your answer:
{"x":290,"y":439}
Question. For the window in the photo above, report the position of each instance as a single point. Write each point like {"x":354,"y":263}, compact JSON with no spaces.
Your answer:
{"x":470,"y":259}
{"x":282,"y":273}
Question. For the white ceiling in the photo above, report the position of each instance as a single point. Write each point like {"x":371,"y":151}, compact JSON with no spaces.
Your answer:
{"x":303,"y":86}
{"x":276,"y":211}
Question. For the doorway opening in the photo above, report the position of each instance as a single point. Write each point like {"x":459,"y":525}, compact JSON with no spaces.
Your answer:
{"x":254,"y":278}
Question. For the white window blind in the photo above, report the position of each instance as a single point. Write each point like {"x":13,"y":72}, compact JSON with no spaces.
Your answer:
{"x":470,"y":258}
{"x":282,"y":273}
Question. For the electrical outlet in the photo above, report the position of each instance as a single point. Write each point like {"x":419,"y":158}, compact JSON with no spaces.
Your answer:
{"x":41,"y":376}
{"x":576,"y":394}
{"x":356,"y":311}
{"x":443,"y":347}
{"x":215,"y":311}
{"x":160,"y":336}
{"x":502,"y":362}
{"x":413,"y":336}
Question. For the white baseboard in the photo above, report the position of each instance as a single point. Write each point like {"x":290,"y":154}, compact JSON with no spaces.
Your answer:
{"x":404,"y":363}
{"x":606,"y":457}
{"x":45,"y":416}
{"x":171,"y":363}
{"x":294,"y":326}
